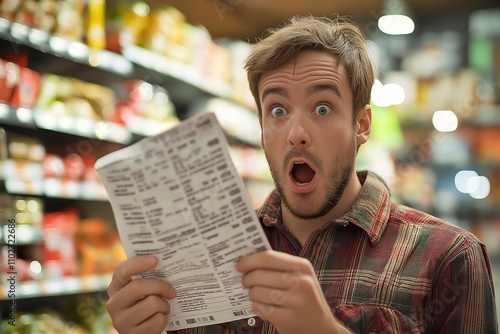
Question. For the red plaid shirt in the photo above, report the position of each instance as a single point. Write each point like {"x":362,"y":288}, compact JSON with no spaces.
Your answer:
{"x":387,"y":268}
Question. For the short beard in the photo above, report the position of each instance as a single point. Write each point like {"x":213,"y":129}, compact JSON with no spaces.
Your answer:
{"x":337,"y":181}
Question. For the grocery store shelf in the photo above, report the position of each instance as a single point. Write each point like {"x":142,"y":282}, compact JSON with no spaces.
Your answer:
{"x":144,"y":127}
{"x":25,"y":235}
{"x":57,"y":188}
{"x":242,"y":124}
{"x":57,"y":286}
{"x":78,"y":126}
{"x":22,"y":117}
{"x":84,"y":127}
{"x":186,"y":83}
{"x":61,"y":47}
{"x":186,"y":73}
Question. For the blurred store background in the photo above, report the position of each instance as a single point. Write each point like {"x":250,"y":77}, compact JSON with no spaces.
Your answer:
{"x":81,"y":79}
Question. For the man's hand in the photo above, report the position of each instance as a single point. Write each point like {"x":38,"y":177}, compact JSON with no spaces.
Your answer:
{"x":285,"y":291}
{"x":137,"y":306}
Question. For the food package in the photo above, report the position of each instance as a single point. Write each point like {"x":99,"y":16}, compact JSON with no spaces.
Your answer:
{"x":99,"y":248}
{"x":8,"y":9}
{"x":133,"y":19}
{"x":22,"y":147}
{"x":26,"y":12}
{"x":58,"y":231}
{"x":9,"y":78}
{"x":142,"y":99}
{"x":26,"y":92}
{"x":46,"y":16}
{"x":96,"y":24}
{"x":165,"y":34}
{"x":66,"y":96}
{"x":70,"y":19}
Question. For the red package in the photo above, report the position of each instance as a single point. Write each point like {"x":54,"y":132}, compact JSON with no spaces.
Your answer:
{"x":74,"y":167}
{"x":58,"y":231}
{"x":26,"y":92}
{"x":9,"y":78}
{"x":53,"y":165}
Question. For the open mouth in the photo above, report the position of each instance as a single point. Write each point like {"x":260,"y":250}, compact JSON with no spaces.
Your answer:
{"x":302,"y":173}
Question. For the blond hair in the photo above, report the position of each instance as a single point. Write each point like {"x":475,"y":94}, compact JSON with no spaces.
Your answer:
{"x":338,"y":37}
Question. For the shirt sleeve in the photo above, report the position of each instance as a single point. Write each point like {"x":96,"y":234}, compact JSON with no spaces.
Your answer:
{"x":463,"y":297}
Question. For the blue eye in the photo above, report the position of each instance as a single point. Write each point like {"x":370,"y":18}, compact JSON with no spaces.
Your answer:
{"x":278,"y":111}
{"x":323,"y":109}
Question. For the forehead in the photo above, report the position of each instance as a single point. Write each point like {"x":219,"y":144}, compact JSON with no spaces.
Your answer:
{"x":307,"y":66}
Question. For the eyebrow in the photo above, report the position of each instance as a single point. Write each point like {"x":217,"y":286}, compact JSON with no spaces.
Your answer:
{"x":322,"y":88}
{"x":277,"y":90}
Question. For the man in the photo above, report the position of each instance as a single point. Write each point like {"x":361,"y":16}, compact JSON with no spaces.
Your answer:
{"x":346,"y":259}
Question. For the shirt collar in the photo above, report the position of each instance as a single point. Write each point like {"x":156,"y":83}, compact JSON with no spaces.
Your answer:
{"x":370,"y":211}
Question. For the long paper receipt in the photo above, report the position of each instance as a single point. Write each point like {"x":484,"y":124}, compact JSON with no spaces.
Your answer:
{"x":177,"y":195}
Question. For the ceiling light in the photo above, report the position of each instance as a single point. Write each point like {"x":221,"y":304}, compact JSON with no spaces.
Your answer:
{"x":462,"y":180}
{"x":387,"y":95}
{"x":445,"y":120}
{"x":480,"y":187}
{"x":396,"y":20}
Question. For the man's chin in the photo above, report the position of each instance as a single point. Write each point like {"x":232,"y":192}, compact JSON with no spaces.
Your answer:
{"x":304,"y":210}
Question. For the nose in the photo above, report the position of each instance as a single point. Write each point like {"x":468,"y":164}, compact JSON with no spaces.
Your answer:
{"x":298,"y":134}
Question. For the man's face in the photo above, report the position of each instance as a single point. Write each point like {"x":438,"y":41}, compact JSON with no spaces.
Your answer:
{"x":308,"y":132}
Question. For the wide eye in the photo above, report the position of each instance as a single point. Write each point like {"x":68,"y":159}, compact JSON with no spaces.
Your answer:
{"x":323,"y":109}
{"x":278,"y":111}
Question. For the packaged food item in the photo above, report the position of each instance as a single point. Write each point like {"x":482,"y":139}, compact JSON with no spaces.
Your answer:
{"x":25,"y":94}
{"x":96,"y":26}
{"x":59,"y":251}
{"x":101,"y":98}
{"x":74,"y":167}
{"x":66,"y":96}
{"x":487,"y":144}
{"x":8,"y":9}
{"x":70,"y":19}
{"x":141,"y":99}
{"x":25,"y":148}
{"x":9,"y":78}
{"x":46,"y":15}
{"x":134,"y":19}
{"x":165,"y":34}
{"x":26,"y":12}
{"x":99,"y":249}
{"x":53,"y":166}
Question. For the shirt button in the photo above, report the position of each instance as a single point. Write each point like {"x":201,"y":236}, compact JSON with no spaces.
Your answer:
{"x":251,"y":321}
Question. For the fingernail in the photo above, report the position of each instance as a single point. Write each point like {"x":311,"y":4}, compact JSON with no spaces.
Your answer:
{"x":149,"y":260}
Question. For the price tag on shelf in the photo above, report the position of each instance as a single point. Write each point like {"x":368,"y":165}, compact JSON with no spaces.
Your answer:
{"x":29,"y":289}
{"x":28,"y":234}
{"x":112,"y":62}
{"x":38,"y":37}
{"x":91,"y":283}
{"x":20,"y":169}
{"x":19,"y":31}
{"x":113,"y":132}
{"x":53,"y":286}
{"x":28,"y":187}
{"x":45,"y":119}
{"x":24,"y":115}
{"x":4,"y":24}
{"x":4,"y":111}
{"x":72,"y":284}
{"x":58,"y":44}
{"x":78,"y":51}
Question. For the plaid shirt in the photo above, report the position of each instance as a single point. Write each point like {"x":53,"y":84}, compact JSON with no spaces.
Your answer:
{"x":387,"y":268}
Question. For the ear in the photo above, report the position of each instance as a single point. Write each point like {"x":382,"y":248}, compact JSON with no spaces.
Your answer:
{"x":363,"y":124}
